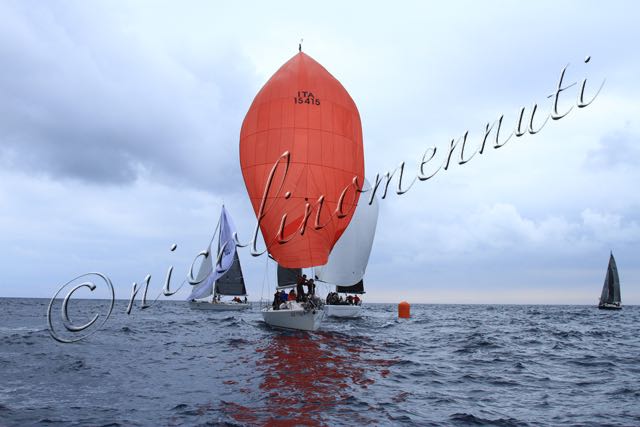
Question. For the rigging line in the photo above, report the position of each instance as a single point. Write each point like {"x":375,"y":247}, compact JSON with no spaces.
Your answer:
{"x":214,"y":232}
{"x":264,"y":278}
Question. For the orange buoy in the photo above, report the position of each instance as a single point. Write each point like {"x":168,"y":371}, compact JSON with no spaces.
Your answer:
{"x":404,"y":310}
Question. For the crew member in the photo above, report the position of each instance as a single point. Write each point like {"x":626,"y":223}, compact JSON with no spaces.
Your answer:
{"x":299,"y":287}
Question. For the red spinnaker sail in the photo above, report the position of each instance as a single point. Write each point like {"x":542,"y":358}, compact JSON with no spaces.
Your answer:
{"x":304,"y":111}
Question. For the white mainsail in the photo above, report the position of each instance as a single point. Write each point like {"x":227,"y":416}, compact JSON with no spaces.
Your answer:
{"x":207,"y":275}
{"x":350,"y":255}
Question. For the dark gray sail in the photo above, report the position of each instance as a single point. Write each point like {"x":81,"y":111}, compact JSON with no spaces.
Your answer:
{"x":358,"y":288}
{"x":610,"y":297}
{"x":232,"y":282}
{"x":288,"y":277}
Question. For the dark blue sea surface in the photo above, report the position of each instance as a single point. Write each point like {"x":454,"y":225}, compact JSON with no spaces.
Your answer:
{"x":447,"y":365}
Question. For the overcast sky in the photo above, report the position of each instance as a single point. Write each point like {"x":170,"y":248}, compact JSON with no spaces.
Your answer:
{"x":119,"y":126}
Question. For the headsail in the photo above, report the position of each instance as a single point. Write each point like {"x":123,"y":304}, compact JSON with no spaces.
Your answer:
{"x":350,"y":256}
{"x":207,"y":275}
{"x":204,"y":278}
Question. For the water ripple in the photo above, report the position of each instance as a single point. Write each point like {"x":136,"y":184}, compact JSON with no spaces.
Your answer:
{"x":448,"y":365}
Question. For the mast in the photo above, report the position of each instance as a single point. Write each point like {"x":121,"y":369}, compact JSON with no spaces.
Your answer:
{"x":215,"y":287}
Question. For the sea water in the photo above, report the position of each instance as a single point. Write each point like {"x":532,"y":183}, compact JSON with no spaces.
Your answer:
{"x":446,"y":365}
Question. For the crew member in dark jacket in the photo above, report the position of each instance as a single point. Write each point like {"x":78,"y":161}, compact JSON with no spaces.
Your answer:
{"x":299,"y":287}
{"x":311,"y":287}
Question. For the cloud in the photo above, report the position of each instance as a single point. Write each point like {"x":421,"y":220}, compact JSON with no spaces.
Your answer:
{"x":90,"y":103}
{"x":609,"y":228}
{"x":54,"y":230}
{"x":491,"y":232}
{"x":619,"y":149}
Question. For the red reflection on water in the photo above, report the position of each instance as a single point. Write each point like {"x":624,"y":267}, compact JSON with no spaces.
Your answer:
{"x":306,"y":375}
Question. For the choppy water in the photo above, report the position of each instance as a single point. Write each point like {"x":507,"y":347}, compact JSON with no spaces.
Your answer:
{"x":447,"y":365}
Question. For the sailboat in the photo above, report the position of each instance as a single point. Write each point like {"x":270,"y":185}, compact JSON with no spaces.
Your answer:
{"x":226,"y":279}
{"x":300,"y":150}
{"x":348,"y":260}
{"x":610,"y":297}
{"x":304,"y":315}
{"x":349,"y":307}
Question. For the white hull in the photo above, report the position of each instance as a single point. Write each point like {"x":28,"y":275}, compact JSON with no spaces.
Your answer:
{"x":293,"y":318}
{"x":343,"y":310}
{"x":220,"y":306}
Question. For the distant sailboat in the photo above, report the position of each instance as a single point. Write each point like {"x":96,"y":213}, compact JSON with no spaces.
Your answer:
{"x":224,"y":280}
{"x":349,"y":258}
{"x":610,"y":298}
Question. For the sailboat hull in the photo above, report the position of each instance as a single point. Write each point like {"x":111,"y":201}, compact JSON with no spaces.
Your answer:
{"x":298,"y":319}
{"x":346,"y":311}
{"x":607,"y":306}
{"x":204,"y":305}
